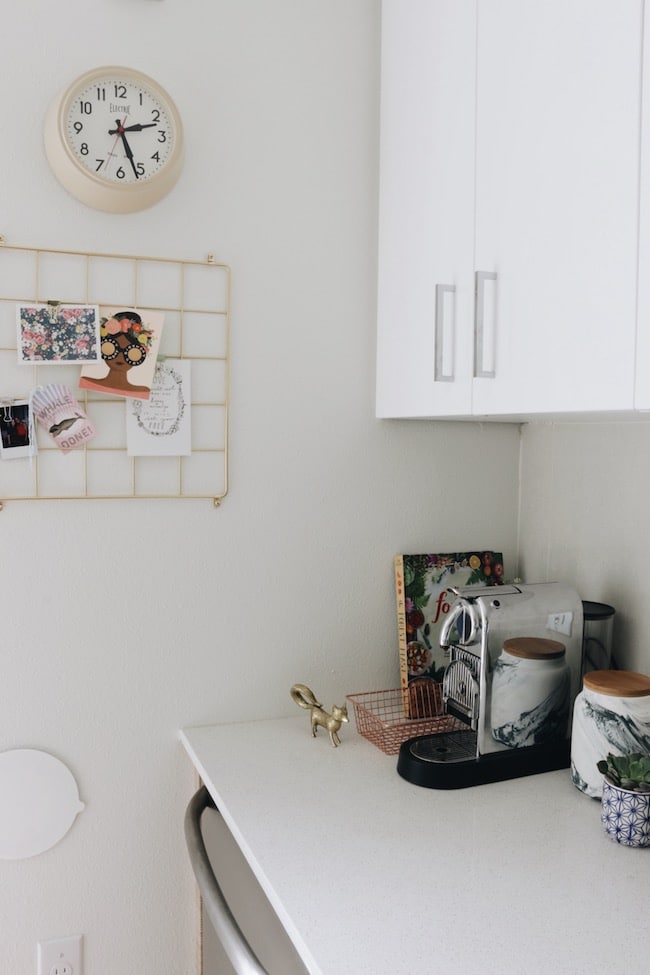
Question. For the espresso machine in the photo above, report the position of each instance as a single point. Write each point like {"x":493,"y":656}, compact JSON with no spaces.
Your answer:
{"x":514,"y":670}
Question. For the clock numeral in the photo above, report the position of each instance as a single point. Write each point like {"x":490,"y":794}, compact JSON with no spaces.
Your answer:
{"x":78,"y":127}
{"x":120,"y":173}
{"x":162,"y":135}
{"x":86,"y":108}
{"x":83,"y":148}
{"x":155,"y":115}
{"x":120,"y":91}
{"x":140,"y":169}
{"x":101,"y":94}
{"x":156,"y":157}
{"x":100,"y":163}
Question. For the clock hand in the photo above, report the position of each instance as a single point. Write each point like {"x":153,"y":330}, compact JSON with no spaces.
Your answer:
{"x":116,"y":133}
{"x":132,"y":128}
{"x":127,"y":147}
{"x":138,"y":127}
{"x":129,"y":155}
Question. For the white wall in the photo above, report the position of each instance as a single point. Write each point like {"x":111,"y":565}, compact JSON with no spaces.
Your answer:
{"x":106,"y":653}
{"x":585,"y":520}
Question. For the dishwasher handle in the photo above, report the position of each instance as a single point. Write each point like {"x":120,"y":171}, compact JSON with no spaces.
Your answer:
{"x":234,"y":943}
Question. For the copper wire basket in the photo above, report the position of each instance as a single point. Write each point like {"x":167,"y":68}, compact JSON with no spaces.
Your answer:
{"x":380,"y":715}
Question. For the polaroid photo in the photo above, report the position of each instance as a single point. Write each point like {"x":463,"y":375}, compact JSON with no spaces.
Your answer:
{"x":18,"y":434}
{"x":54,"y":333}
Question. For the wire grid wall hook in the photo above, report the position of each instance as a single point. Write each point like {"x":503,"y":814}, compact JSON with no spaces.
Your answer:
{"x":54,"y":309}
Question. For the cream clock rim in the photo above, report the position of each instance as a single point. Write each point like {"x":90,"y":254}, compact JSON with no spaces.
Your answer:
{"x":58,"y":113}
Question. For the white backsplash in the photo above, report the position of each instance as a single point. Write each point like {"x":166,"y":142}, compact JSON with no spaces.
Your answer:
{"x":585,"y":520}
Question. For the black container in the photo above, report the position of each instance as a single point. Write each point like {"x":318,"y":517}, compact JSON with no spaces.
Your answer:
{"x":597,"y":636}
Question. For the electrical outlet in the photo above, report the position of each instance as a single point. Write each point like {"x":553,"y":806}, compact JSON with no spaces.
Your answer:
{"x":60,"y":956}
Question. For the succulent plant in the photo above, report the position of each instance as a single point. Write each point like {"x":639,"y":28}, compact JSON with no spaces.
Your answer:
{"x":631,"y":772}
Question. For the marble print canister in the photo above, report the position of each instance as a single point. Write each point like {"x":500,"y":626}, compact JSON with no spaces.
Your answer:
{"x":610,"y":714}
{"x":531,"y":688}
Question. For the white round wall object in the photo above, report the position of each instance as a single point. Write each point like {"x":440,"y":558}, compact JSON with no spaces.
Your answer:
{"x":39,"y":802}
{"x":114,"y":140}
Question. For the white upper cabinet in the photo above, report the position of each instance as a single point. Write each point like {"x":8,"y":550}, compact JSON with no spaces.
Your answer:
{"x":510,"y":172}
{"x":558,"y":109}
{"x":642,"y":388}
{"x":426,"y":248}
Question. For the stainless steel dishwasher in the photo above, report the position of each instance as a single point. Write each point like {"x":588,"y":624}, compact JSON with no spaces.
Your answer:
{"x":242,"y":934}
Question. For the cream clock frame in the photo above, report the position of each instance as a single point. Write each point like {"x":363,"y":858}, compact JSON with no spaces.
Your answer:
{"x":114,"y":139}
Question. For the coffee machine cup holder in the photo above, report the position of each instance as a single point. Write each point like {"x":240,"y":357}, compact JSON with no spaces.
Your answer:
{"x":460,"y":693}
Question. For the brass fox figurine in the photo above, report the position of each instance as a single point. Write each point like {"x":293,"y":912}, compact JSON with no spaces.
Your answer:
{"x":332,"y":722}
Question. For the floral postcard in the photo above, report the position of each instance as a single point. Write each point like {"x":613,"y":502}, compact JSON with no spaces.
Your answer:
{"x":160,"y":426}
{"x":130,"y":340}
{"x":56,"y":333}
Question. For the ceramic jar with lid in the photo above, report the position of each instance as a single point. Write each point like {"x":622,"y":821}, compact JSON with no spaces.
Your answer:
{"x":611,"y":714}
{"x":531,"y":689}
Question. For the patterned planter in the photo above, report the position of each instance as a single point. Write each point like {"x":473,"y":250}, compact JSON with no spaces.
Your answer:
{"x":625,"y":815}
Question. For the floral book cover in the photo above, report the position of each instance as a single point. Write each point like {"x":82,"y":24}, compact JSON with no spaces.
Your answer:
{"x":423,"y":600}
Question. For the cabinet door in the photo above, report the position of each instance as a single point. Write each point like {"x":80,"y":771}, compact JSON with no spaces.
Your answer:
{"x":425,"y":297}
{"x":558,"y":103}
{"x":642,"y":388}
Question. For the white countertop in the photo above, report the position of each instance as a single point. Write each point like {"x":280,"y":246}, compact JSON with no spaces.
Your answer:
{"x":371,"y":875}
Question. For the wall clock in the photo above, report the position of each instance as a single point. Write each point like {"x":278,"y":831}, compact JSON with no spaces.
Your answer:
{"x":114,"y":140}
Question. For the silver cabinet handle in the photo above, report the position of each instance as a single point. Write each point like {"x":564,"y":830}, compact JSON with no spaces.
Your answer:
{"x":232,"y":938}
{"x":444,"y":364}
{"x":480,"y":370}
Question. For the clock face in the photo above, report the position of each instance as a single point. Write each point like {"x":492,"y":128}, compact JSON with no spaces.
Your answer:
{"x":119,"y":129}
{"x":114,"y":139}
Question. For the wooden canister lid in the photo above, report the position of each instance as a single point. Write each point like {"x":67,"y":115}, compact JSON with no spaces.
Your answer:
{"x":534,"y":648}
{"x":618,"y":683}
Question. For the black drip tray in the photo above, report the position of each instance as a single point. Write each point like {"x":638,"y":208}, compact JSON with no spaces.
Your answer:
{"x":456,"y":746}
{"x":449,"y":761}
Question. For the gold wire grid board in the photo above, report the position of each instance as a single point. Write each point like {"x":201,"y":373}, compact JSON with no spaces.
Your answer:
{"x":379,"y":717}
{"x":194,"y":297}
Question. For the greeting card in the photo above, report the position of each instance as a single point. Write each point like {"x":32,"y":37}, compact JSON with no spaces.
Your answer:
{"x":58,"y":412}
{"x":130,"y":341}
{"x":160,"y":426}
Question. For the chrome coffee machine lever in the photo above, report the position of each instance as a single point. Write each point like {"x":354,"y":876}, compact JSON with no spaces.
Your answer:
{"x":448,"y":625}
{"x":461,"y":613}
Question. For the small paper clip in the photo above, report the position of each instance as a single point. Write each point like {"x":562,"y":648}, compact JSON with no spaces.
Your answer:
{"x":6,"y":409}
{"x":54,"y":310}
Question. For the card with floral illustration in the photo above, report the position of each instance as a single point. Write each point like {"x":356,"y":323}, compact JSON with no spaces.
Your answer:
{"x":423,"y":600}
{"x":54,"y":333}
{"x":129,"y":343}
{"x":160,"y":426}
